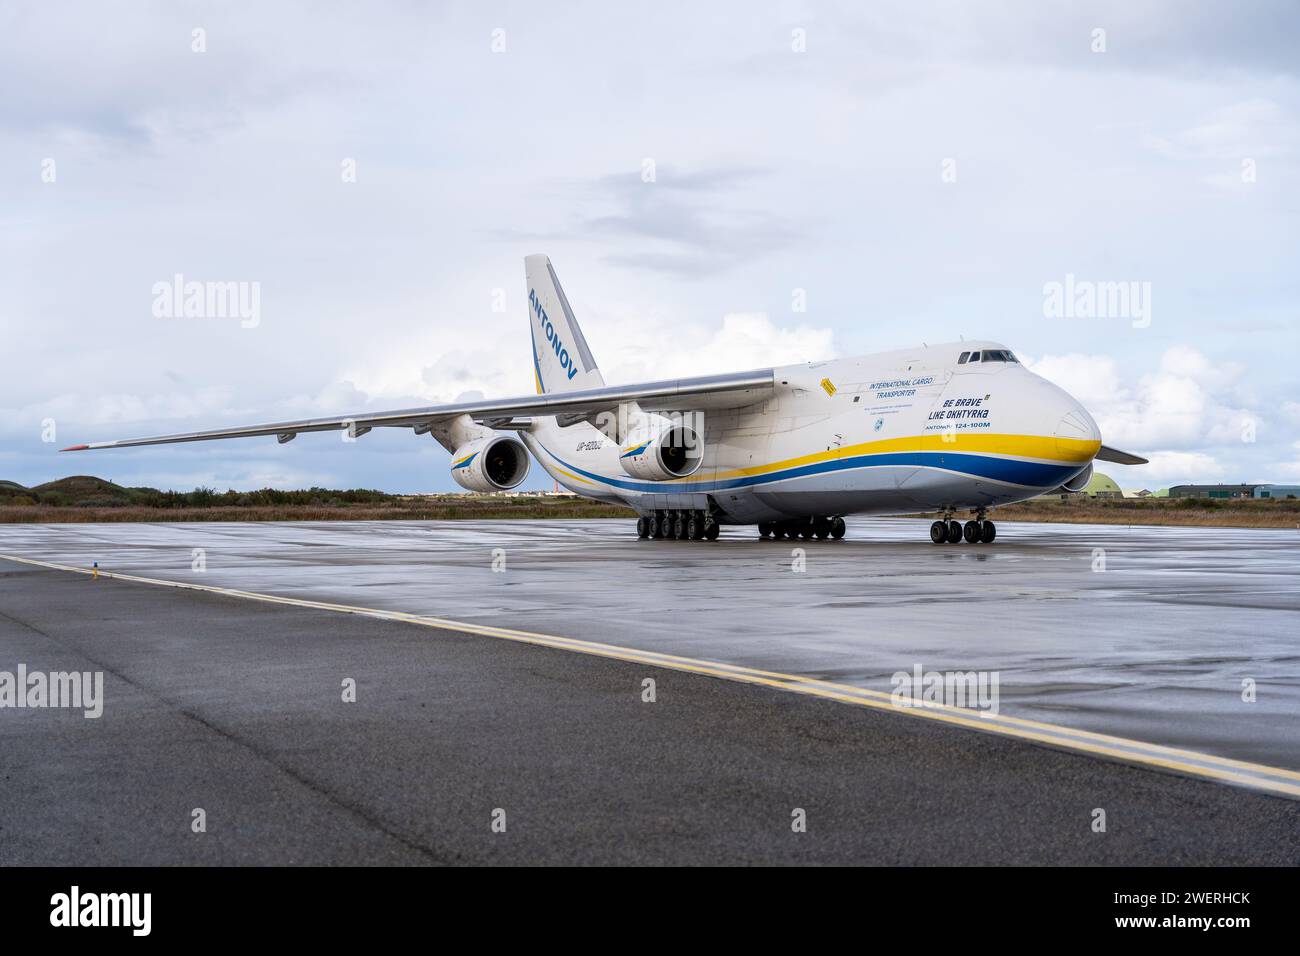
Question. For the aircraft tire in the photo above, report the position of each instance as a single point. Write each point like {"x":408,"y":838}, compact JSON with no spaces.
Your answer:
{"x":971,"y":532}
{"x":939,"y":532}
{"x":954,"y":532}
{"x":988,"y":531}
{"x":837,"y":528}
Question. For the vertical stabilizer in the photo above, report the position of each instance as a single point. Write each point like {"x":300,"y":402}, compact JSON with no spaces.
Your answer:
{"x":562,"y":362}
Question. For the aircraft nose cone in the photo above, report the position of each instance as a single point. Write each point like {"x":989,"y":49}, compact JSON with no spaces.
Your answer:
{"x":1075,"y":431}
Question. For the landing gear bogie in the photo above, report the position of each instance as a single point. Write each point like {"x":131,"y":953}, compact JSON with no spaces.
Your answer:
{"x":948,"y":530}
{"x":679,"y":525}
{"x":820,"y":527}
{"x":703,"y":526}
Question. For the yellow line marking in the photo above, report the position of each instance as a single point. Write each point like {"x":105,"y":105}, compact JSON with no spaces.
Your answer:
{"x":1258,"y":776}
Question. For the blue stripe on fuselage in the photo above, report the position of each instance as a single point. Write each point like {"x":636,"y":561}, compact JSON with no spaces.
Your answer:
{"x":1031,"y":474}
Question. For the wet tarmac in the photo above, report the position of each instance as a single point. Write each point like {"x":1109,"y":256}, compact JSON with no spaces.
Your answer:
{"x":457,"y":748}
{"x":1155,"y":634}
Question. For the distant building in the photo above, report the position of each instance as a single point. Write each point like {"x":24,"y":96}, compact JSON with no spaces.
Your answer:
{"x":1277,"y":491}
{"x":1102,"y":486}
{"x":1214,"y":491}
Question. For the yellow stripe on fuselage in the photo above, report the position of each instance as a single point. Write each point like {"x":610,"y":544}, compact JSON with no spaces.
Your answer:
{"x":568,"y":474}
{"x":1020,"y":446}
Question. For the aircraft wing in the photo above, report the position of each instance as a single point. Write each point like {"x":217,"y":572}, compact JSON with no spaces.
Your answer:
{"x":731,"y":390}
{"x":1119,"y":457}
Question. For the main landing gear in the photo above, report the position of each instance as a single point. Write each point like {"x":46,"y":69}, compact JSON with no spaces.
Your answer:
{"x":818,"y":527}
{"x":948,"y":530}
{"x":682,"y":525}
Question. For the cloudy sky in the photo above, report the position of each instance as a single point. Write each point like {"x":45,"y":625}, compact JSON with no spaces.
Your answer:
{"x":921,"y":170}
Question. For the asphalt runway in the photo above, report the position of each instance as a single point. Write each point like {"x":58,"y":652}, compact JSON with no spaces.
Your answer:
{"x":1146,"y":633}
{"x":234,"y":706}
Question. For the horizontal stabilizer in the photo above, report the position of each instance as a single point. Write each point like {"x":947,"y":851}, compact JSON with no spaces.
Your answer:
{"x":1119,"y":457}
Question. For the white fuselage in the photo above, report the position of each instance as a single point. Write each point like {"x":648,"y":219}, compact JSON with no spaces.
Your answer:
{"x":890,"y":433}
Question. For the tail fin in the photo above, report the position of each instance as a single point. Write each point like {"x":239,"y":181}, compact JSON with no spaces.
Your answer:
{"x":562,"y":362}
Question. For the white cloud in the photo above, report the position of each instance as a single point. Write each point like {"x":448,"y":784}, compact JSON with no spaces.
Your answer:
{"x":1189,"y":402}
{"x":1287,"y":471}
{"x":744,"y":340}
{"x":1177,"y":467}
{"x":378,"y":293}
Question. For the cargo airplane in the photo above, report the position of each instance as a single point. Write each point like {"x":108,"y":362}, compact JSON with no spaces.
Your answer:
{"x":957,"y":427}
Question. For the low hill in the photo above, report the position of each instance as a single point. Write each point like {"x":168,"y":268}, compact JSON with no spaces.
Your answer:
{"x":88,"y":491}
{"x":82,"y":491}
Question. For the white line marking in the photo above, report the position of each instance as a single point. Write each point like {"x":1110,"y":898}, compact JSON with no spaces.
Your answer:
{"x":1223,"y":769}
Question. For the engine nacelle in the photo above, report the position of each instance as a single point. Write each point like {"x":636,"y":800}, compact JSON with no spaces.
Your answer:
{"x":491,"y":463}
{"x":657,"y":449}
{"x":1079,"y":481}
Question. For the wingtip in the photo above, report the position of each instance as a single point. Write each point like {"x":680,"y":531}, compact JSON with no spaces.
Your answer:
{"x":76,"y":448}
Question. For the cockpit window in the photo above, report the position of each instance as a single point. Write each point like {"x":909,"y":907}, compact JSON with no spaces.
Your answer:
{"x":995,"y":355}
{"x":974,"y":356}
{"x":962,"y":359}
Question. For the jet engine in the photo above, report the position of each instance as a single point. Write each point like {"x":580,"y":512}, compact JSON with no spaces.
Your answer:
{"x":658,"y":448}
{"x":1079,"y":481}
{"x":491,"y":463}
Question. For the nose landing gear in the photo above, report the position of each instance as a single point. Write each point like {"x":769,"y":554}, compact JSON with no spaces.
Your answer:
{"x":948,"y":530}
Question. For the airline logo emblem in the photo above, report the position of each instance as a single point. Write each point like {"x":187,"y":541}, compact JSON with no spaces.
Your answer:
{"x":567,"y":363}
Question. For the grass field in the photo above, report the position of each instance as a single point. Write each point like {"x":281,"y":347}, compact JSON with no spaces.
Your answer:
{"x":86,"y":499}
{"x":1193,"y":512}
